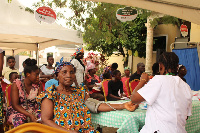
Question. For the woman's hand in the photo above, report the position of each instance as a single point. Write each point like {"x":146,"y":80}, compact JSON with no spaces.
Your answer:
{"x":33,"y":118}
{"x":144,"y":77}
{"x":131,"y":106}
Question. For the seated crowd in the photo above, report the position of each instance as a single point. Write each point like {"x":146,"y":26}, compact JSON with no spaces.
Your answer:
{"x":65,"y":96}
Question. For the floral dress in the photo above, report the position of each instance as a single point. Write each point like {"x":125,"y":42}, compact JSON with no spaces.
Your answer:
{"x":70,"y":112}
{"x":17,"y":118}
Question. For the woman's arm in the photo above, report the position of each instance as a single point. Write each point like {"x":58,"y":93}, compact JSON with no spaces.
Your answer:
{"x":113,"y":96}
{"x":15,"y":100}
{"x":105,"y":107}
{"x":47,"y":108}
{"x":42,"y":75}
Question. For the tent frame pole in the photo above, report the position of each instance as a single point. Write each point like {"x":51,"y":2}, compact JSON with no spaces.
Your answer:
{"x":37,"y":54}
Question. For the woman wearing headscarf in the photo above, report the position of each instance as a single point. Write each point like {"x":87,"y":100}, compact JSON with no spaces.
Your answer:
{"x":91,"y":80}
{"x":69,"y":108}
{"x":78,"y":64}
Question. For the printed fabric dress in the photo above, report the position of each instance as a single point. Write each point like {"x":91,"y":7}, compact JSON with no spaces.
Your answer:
{"x":70,"y":112}
{"x":17,"y":118}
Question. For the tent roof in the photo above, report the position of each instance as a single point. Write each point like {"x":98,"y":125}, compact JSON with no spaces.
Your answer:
{"x":19,"y":29}
{"x":184,"y":9}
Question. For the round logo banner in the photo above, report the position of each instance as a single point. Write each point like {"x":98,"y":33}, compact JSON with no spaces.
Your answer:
{"x":45,"y":14}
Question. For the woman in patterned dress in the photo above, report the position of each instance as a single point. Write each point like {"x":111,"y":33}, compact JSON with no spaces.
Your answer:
{"x":1,"y":93}
{"x":65,"y":107}
{"x":23,"y":93}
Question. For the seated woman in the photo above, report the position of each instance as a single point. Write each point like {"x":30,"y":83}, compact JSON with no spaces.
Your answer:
{"x":68,"y":108}
{"x":114,"y":86}
{"x":90,"y":80}
{"x":182,"y":72}
{"x":23,"y":93}
{"x":126,"y":77}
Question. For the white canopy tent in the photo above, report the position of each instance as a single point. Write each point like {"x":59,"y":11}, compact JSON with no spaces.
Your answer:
{"x":20,"y":30}
{"x":184,"y":9}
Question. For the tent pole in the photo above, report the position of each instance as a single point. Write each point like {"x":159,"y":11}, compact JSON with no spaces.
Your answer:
{"x":37,"y":54}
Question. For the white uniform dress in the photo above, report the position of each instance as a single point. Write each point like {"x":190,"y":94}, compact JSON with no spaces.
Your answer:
{"x":46,"y":71}
{"x":79,"y":71}
{"x":169,"y":101}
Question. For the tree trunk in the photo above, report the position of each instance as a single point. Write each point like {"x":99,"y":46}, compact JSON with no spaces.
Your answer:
{"x":149,"y":47}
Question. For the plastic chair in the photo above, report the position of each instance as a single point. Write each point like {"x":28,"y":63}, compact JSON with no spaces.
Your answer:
{"x":105,"y":88}
{"x":36,"y":128}
{"x":127,"y":87}
{"x":133,"y":84}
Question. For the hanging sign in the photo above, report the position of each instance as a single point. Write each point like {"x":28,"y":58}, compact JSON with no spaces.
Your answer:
{"x":184,"y":30}
{"x":126,"y":14}
{"x":45,"y":14}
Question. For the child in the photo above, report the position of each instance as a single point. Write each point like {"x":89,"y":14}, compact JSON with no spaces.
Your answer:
{"x":12,"y":76}
{"x":114,"y":86}
{"x":7,"y":70}
{"x":168,"y":97}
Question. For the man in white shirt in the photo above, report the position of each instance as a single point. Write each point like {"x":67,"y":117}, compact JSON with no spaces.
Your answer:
{"x":168,"y":97}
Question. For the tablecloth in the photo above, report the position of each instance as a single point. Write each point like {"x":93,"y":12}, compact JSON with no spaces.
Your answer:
{"x":132,"y":122}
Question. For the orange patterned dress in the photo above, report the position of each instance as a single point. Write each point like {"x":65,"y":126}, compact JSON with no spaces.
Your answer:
{"x":70,"y":112}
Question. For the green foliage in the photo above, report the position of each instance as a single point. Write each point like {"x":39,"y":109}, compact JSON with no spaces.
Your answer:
{"x":165,"y":20}
{"x":106,"y":34}
{"x":26,"y":53}
{"x":29,"y":10}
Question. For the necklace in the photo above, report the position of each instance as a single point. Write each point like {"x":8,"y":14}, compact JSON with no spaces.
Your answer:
{"x":170,"y":74}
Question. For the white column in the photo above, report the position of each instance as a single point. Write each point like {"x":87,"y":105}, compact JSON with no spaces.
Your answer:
{"x":149,"y":47}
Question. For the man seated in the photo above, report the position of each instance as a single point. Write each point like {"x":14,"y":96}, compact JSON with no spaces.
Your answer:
{"x":137,"y":74}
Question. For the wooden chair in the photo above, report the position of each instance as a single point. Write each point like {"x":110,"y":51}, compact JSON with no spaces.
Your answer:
{"x":133,"y":84}
{"x":127,"y":87}
{"x":105,"y":88}
{"x":36,"y":128}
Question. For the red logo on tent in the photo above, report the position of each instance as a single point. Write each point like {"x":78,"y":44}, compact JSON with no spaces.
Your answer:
{"x":45,"y":14}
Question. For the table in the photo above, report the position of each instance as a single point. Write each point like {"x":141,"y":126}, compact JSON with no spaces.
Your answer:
{"x":132,"y":122}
